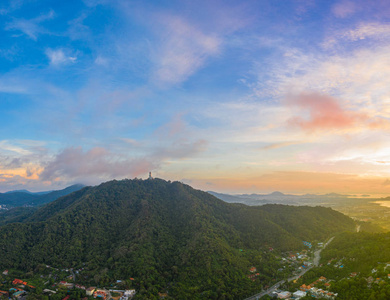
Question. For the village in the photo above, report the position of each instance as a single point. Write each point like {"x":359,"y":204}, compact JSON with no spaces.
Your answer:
{"x":319,"y":289}
{"x":51,"y":285}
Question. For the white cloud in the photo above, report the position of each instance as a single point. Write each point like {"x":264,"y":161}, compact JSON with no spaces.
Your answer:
{"x":58,"y":57}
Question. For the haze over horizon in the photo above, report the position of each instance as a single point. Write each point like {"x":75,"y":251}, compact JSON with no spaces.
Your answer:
{"x":229,"y":96}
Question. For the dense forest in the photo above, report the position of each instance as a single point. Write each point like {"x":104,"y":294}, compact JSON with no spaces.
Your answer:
{"x":167,"y":236}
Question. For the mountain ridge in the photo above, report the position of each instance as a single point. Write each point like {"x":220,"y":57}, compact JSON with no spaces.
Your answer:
{"x":166,"y":235}
{"x":26,"y":198}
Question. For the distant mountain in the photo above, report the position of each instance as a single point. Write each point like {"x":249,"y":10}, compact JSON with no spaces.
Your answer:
{"x":18,"y":191}
{"x":167,"y":236}
{"x":51,"y":196}
{"x":28,"y":192}
{"x":279,"y":198}
{"x":16,"y":198}
{"x":26,"y":198}
{"x":279,"y":194}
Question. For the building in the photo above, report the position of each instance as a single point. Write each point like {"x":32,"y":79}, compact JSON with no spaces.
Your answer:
{"x":299,"y":294}
{"x":284,"y":295}
{"x":67,"y":284}
{"x":18,"y":294}
{"x":129,"y":293}
{"x":4,"y":293}
{"x":90,"y":290}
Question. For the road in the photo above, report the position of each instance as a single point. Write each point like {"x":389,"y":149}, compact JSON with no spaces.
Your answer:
{"x":316,"y":261}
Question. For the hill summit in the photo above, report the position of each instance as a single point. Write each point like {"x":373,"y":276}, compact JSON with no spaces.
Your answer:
{"x":165,"y":235}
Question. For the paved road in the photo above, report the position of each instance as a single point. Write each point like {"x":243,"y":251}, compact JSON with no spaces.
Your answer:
{"x":317,"y":256}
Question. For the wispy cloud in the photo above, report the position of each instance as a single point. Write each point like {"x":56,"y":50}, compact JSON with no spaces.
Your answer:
{"x":183,"y":50}
{"x":31,"y":27}
{"x":279,"y":145}
{"x":344,"y":9}
{"x":13,"y":5}
{"x":375,"y":32}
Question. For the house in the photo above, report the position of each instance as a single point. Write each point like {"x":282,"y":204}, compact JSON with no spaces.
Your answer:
{"x":252,"y":269}
{"x":90,"y":290}
{"x":18,"y":281}
{"x":304,"y":287}
{"x":5,"y":272}
{"x":322,"y":278}
{"x":101,"y":294}
{"x":80,"y":286}
{"x":18,"y":294}
{"x":66,"y":298}
{"x":4,"y":293}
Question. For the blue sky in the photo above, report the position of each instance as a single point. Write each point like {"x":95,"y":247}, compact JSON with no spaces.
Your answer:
{"x":231,"y":96}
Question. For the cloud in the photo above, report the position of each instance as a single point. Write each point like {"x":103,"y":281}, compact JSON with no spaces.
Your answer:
{"x":368,"y":30}
{"x":98,"y":164}
{"x":93,"y":166}
{"x":183,"y":50}
{"x":344,"y":9}
{"x":296,"y":182}
{"x":374,"y":31}
{"x":278,"y":145}
{"x":325,"y":113}
{"x":31,"y":27}
{"x":13,"y":5}
{"x":58,"y":57}
{"x":180,"y":149}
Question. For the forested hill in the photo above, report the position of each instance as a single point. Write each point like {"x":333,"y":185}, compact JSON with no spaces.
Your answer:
{"x":167,"y":236}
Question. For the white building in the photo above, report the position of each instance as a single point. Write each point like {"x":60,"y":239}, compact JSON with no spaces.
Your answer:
{"x":299,"y":294}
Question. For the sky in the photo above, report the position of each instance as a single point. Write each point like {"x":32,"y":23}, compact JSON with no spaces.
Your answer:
{"x":228,"y":96}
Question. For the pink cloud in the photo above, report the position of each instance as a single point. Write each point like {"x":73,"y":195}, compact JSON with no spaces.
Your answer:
{"x":325,"y":113}
{"x":344,"y":9}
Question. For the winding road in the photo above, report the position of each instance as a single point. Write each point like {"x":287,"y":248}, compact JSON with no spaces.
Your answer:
{"x":316,"y":261}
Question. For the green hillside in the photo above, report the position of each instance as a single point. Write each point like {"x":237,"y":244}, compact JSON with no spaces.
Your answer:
{"x":167,"y":236}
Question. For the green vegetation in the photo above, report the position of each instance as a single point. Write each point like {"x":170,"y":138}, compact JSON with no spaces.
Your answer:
{"x":357,"y":265}
{"x":17,"y":214}
{"x":167,"y":236}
